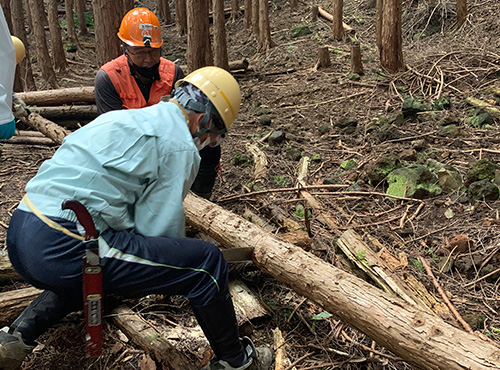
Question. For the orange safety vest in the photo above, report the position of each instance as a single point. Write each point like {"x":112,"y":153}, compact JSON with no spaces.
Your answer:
{"x":131,"y":96}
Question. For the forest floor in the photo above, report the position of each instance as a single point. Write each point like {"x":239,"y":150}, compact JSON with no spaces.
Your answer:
{"x":346,"y":126}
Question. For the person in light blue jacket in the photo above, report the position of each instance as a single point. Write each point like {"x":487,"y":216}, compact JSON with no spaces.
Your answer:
{"x":7,"y":71}
{"x":131,"y":171}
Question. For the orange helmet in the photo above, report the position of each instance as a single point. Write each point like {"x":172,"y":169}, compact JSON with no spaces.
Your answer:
{"x":140,"y":27}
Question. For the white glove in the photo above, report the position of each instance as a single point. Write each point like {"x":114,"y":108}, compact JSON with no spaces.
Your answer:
{"x":19,"y":108}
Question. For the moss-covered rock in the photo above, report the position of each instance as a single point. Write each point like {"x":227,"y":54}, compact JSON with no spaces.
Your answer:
{"x":483,"y":190}
{"x":482,"y":170}
{"x":377,"y":171}
{"x":415,"y":182}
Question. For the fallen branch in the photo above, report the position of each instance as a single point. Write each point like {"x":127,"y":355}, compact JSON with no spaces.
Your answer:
{"x":67,"y":111}
{"x":46,"y":127}
{"x":387,"y":319}
{"x":326,"y":15}
{"x":444,"y":296}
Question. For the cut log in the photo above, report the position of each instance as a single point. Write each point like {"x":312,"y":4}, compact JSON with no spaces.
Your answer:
{"x":7,"y":273}
{"x":67,"y":111}
{"x":151,"y":340}
{"x":58,"y":96}
{"x":420,"y":338}
{"x":46,"y":127}
{"x":326,"y":15}
{"x":30,"y":140}
{"x":14,"y":302}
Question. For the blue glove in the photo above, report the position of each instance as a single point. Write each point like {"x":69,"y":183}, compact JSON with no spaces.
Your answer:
{"x":7,"y":130}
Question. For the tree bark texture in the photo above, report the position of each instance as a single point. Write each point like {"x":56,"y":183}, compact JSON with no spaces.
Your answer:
{"x":14,"y":302}
{"x":70,"y":23}
{"x":46,"y":127}
{"x":180,"y":16}
{"x":324,"y":57}
{"x":255,"y":19}
{"x":59,"y":96}
{"x":378,"y":22}
{"x":248,"y":13}
{"x":165,"y":11}
{"x":44,"y":60}
{"x":420,"y":338}
{"x":461,"y":12}
{"x":337,"y":27}
{"x":199,"y":52}
{"x":58,"y":55}
{"x":127,"y":5}
{"x":80,"y":11}
{"x":220,"y":42}
{"x":151,"y":340}
{"x":235,"y":9}
{"x":23,"y":70}
{"x":265,"y":42}
{"x":107,"y":18}
{"x":391,"y":52}
{"x":356,"y":63}
{"x":29,"y":18}
{"x":67,"y":111}
{"x":326,"y":15}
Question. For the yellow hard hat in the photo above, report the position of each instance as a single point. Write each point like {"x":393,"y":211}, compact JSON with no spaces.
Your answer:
{"x":19,"y":47}
{"x":220,"y":87}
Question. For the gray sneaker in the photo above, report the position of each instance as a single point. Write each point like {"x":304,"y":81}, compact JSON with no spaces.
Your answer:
{"x":13,"y":351}
{"x":259,"y":358}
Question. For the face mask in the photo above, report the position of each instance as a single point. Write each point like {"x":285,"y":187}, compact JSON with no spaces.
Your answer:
{"x":147,"y":72}
{"x":201,"y":145}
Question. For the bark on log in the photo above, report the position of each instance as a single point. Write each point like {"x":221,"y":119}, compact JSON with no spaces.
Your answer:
{"x":67,"y":111}
{"x":422,"y":339}
{"x":324,"y":57}
{"x":7,"y":273}
{"x":46,"y":127}
{"x":143,"y":334}
{"x":30,"y":140}
{"x":58,"y":96}
{"x":326,"y":15}
{"x":13,"y":303}
{"x":356,"y":63}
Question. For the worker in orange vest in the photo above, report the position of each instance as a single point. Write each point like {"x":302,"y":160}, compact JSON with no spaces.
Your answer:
{"x":140,"y":77}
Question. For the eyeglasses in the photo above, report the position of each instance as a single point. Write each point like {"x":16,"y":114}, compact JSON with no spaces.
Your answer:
{"x":154,"y":53}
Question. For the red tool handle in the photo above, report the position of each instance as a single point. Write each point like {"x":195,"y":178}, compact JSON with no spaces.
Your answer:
{"x":83,"y":217}
{"x":92,"y":280}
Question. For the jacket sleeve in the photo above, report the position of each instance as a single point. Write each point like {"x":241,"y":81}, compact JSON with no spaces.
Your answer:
{"x":7,"y":71}
{"x":159,"y":211}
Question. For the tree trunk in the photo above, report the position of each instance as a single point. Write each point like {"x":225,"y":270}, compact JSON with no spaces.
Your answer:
{"x":80,"y":11}
{"x":165,"y":11}
{"x":44,"y":60}
{"x":199,"y":52}
{"x":378,"y":22}
{"x":255,"y":19}
{"x":265,"y":42}
{"x":461,"y":12}
{"x":220,"y":42}
{"x":29,"y":18}
{"x":337,"y":27}
{"x":356,"y":63}
{"x":324,"y":57}
{"x":60,"y":96}
{"x":391,"y":52}
{"x":70,"y":24}
{"x":418,"y":337}
{"x":235,"y":9}
{"x":127,"y":5}
{"x":248,"y":13}
{"x":107,"y":18}
{"x":24,"y":70}
{"x":181,"y":16}
{"x":58,"y":56}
